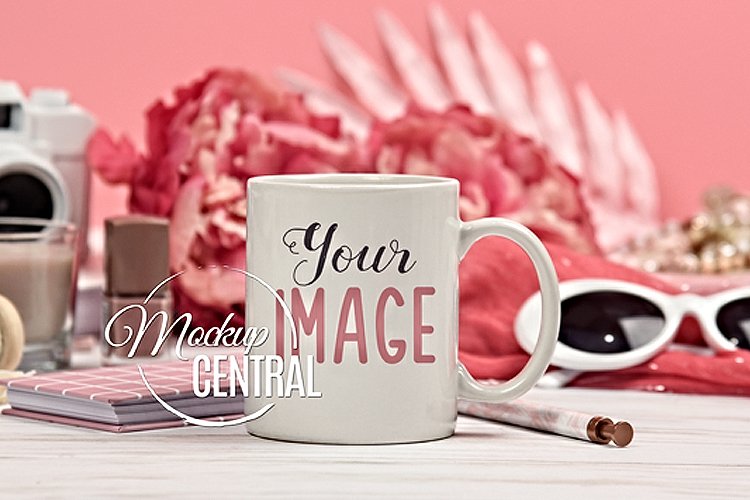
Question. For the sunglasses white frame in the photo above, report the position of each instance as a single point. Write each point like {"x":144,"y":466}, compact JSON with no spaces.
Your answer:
{"x":674,"y":308}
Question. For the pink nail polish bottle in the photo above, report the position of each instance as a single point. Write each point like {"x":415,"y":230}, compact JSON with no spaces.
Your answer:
{"x":136,"y":260}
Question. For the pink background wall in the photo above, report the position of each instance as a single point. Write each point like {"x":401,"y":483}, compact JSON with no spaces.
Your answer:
{"x":680,"y":68}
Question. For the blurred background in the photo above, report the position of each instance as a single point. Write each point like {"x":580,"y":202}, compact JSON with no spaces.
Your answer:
{"x":678,"y":67}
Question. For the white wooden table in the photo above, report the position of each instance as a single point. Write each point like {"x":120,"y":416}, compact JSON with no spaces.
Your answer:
{"x":684,"y":446}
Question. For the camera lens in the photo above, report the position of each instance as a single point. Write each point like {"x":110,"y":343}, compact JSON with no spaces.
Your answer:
{"x":23,"y":195}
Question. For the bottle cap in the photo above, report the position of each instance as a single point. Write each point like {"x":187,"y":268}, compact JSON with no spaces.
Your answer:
{"x":136,"y":255}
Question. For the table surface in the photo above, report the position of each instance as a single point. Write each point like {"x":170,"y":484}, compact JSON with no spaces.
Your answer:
{"x":684,"y":446}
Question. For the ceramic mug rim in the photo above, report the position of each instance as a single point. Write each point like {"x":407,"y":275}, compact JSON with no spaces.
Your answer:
{"x":354,"y":182}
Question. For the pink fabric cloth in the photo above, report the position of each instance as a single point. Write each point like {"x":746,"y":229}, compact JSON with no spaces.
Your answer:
{"x":496,"y":279}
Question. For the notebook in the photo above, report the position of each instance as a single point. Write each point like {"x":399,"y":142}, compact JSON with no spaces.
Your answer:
{"x":115,"y":398}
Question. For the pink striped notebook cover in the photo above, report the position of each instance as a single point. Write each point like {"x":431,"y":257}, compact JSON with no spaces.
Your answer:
{"x":115,"y":399}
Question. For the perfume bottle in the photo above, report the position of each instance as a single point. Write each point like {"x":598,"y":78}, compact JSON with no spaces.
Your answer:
{"x":136,"y":262}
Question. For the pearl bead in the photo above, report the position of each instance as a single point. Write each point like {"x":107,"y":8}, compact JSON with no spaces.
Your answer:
{"x":716,"y":240}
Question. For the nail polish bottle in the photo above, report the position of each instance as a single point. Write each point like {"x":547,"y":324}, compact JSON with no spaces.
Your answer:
{"x":136,"y":260}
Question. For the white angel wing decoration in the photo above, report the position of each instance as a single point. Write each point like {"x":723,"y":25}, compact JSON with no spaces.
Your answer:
{"x":505,"y":80}
{"x":418,"y":72}
{"x":604,"y":153}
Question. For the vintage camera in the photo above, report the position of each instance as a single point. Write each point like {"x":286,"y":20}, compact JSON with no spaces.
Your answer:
{"x":43,"y":170}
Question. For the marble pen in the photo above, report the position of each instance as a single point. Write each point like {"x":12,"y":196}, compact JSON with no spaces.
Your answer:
{"x":597,"y":429}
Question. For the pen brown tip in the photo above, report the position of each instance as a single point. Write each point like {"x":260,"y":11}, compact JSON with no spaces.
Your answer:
{"x":620,"y":433}
{"x":603,"y":431}
{"x":623,"y":434}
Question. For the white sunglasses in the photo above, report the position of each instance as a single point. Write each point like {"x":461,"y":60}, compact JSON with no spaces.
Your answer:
{"x":610,"y":325}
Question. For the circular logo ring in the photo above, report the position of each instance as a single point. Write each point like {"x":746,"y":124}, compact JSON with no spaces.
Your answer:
{"x":237,"y":421}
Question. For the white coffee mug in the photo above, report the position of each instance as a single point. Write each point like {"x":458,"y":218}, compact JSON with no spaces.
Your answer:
{"x":368,"y":267}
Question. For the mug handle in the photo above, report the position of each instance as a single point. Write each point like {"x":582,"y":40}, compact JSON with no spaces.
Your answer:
{"x":468,"y":387}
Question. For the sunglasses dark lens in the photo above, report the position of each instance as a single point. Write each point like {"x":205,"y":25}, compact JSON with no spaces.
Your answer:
{"x":733,"y":321}
{"x":609,"y":322}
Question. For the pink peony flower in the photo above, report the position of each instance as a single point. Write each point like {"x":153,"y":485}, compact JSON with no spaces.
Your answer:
{"x":501,"y":172}
{"x":115,"y":160}
{"x":201,"y":147}
{"x":215,"y":133}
